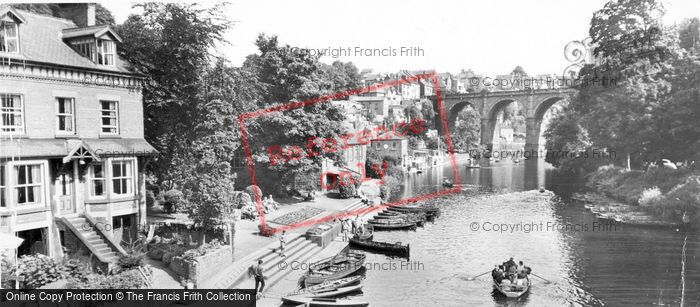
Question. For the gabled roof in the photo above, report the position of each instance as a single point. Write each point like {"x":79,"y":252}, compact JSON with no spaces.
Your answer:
{"x":4,"y":10}
{"x":41,"y":40}
{"x":93,"y":31}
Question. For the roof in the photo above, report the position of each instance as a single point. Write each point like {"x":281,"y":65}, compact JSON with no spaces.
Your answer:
{"x":25,"y":148}
{"x":388,"y":136}
{"x":41,"y":40}
{"x":92,"y":31}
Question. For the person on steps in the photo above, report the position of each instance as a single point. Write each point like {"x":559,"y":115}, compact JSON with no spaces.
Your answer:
{"x":283,"y":241}
{"x":259,"y":278}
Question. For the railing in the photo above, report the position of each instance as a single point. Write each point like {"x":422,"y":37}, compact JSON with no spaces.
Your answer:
{"x":146,"y":277}
{"x":83,"y":239}
{"x":107,"y":237}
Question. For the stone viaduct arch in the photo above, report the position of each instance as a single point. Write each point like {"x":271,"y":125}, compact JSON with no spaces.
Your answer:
{"x":535,"y":103}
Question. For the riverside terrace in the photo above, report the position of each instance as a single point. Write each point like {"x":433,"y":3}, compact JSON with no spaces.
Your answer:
{"x":279,"y":155}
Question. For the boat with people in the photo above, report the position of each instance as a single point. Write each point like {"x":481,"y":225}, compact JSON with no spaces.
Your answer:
{"x":384,"y":247}
{"x":448,"y":183}
{"x":325,"y":302}
{"x":342,"y":265}
{"x":511,"y":279}
{"x":513,"y":291}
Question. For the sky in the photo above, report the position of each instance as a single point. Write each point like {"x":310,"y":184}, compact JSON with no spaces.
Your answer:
{"x":489,"y":37}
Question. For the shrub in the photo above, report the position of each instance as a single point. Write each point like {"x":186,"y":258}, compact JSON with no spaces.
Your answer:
{"x":384,"y":192}
{"x":37,"y":270}
{"x":75,"y":269}
{"x":649,"y":196}
{"x":130,"y":261}
{"x":347,"y":186}
{"x":252,"y":190}
{"x":130,"y":279}
{"x":150,"y":198}
{"x":201,"y":250}
{"x":172,"y":200}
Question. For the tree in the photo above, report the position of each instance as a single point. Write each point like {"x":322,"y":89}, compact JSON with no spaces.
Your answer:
{"x":340,"y":76}
{"x":102,"y":15}
{"x":689,"y":34}
{"x":170,"y":43}
{"x":284,"y":75}
{"x":467,"y":132}
{"x":636,"y":51}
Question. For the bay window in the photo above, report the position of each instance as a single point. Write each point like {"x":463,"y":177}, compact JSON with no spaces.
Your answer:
{"x":111,"y":178}
{"x":122,"y":177}
{"x":97,"y":180}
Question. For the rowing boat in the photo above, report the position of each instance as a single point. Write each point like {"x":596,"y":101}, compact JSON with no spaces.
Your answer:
{"x":393,"y":224}
{"x":330,"y":285}
{"x":513,"y":291}
{"x":325,"y":302}
{"x":331,"y":270}
{"x":324,"y":293}
{"x":390,"y":248}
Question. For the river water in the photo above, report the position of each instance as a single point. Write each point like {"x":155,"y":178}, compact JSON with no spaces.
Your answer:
{"x":588,"y":262}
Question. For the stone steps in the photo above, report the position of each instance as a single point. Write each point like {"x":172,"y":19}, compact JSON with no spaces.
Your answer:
{"x":240,"y":267}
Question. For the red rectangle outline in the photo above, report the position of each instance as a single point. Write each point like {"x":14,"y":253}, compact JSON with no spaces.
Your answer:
{"x":325,"y":98}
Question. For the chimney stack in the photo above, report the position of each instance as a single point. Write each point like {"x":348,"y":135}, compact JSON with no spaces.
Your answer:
{"x":82,"y":14}
{"x":90,"y":14}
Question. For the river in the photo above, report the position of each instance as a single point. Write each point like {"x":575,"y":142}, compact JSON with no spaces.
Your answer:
{"x":587,"y":262}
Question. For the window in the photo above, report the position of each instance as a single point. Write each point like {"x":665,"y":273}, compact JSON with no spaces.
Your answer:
{"x":28,"y":187}
{"x":86,"y":47}
{"x":65,"y":110}
{"x":2,"y":187}
{"x":8,"y":37}
{"x":11,"y":114}
{"x":97,"y":180}
{"x":122,"y":177}
{"x":110,"y":117}
{"x":105,"y":52}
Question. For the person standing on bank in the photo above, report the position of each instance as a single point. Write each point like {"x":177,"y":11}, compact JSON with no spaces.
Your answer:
{"x":282,"y":242}
{"x":259,"y":279}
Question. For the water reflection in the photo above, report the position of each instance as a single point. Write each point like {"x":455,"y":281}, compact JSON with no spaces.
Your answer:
{"x":587,"y":267}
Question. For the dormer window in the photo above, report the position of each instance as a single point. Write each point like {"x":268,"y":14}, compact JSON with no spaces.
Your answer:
{"x":97,"y":43}
{"x":105,"y":52}
{"x":9,"y":41}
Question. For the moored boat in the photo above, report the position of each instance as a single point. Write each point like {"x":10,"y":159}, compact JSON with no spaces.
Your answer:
{"x":324,"y":293}
{"x":327,"y":270}
{"x":390,"y":248}
{"x":324,"y":302}
{"x":393,"y":225}
{"x":330,"y":285}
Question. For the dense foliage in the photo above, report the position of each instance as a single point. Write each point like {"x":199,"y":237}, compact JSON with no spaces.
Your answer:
{"x":651,"y":110}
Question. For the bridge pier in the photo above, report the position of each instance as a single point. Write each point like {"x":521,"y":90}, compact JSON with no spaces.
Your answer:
{"x":533,"y":127}
{"x":487,"y":133}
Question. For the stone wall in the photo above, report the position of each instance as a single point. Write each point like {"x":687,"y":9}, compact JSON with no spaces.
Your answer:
{"x":203,"y":267}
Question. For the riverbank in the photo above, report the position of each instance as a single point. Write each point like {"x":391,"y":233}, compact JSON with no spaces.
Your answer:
{"x":656,"y":197}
